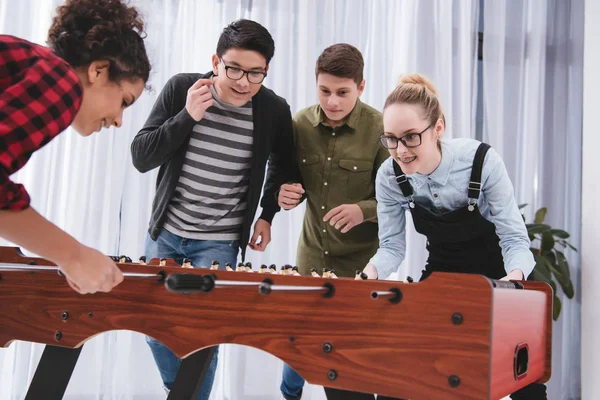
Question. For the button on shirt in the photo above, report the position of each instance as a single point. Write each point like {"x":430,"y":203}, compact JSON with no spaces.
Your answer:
{"x":445,"y":190}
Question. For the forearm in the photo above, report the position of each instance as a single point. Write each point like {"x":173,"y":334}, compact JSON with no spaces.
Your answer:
{"x":282,"y":167}
{"x":387,"y":260}
{"x":28,"y":229}
{"x":369,"y":209}
{"x":157,"y":142}
{"x":519,"y":259}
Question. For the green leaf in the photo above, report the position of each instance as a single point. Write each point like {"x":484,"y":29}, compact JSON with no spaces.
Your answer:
{"x":540,"y":215}
{"x":556,"y":308}
{"x":562,"y":264}
{"x":566,"y":244}
{"x":537,"y":228}
{"x":550,"y":256}
{"x":565,"y":275}
{"x":547,"y":241}
{"x":571,"y":247}
{"x":542,"y":273}
{"x":541,"y":269}
{"x":560,"y":233}
{"x":563,"y":279}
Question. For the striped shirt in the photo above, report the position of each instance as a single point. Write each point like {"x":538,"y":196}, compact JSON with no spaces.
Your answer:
{"x":209,"y":202}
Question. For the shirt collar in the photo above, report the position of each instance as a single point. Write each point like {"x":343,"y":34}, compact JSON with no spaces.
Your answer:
{"x":318,"y":117}
{"x":442,"y":172}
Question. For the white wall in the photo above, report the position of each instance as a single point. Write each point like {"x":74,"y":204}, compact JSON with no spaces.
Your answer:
{"x":590,"y":302}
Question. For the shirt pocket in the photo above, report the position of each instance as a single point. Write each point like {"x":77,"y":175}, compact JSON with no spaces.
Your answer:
{"x":309,"y":167}
{"x":359,"y":176}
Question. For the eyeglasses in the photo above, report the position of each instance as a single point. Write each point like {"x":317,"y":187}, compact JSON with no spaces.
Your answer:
{"x":235,"y":73}
{"x":409,"y":141}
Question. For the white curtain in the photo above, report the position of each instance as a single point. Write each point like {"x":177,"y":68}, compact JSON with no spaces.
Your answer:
{"x":89,"y":187}
{"x":532,"y":85}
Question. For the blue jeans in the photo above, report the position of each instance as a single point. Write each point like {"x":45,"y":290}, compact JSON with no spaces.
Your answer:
{"x":202,"y":253}
{"x":291,"y":382}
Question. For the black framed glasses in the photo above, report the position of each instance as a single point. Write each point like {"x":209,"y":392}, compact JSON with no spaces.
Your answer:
{"x":235,"y":74}
{"x":409,"y":141}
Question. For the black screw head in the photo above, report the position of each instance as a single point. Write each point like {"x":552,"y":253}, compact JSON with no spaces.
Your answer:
{"x":90,"y":314}
{"x":64,"y":316}
{"x":332,"y":375}
{"x":397,"y":298}
{"x":454,"y":381}
{"x":264,"y":288}
{"x":58,"y":335}
{"x":327,"y":347}
{"x":292,"y":338}
{"x":457,"y":318}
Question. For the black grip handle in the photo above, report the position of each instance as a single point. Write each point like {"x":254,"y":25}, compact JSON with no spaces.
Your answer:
{"x":190,"y":283}
{"x":506,"y":284}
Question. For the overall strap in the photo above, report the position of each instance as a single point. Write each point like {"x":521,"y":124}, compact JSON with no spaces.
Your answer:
{"x":402,"y":180}
{"x":475,"y":183}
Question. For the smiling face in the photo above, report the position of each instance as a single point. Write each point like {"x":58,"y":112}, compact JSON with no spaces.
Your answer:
{"x":237,"y":92}
{"x":104,"y":100}
{"x":337,"y":97}
{"x":406,"y":121}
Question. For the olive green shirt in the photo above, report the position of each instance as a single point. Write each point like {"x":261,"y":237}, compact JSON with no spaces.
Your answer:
{"x":338,"y":166}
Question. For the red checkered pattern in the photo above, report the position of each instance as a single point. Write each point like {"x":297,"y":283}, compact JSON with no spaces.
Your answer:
{"x":39,"y":96}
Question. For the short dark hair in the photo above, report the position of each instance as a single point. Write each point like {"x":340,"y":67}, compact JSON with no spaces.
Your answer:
{"x":84,"y":31}
{"x":248,"y":35}
{"x":342,"y":60}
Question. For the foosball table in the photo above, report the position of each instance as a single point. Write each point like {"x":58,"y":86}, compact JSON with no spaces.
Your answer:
{"x":452,"y":336}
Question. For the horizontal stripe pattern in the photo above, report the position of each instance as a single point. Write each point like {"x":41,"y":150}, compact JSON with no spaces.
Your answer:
{"x":209,"y":202}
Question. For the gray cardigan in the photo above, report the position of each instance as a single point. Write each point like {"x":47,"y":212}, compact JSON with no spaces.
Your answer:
{"x":163,"y":141}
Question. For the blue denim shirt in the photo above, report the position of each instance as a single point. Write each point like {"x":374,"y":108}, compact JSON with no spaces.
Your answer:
{"x":450,"y":181}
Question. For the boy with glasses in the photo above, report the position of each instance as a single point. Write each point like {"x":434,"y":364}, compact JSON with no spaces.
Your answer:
{"x":211,"y":135}
{"x":339,"y":155}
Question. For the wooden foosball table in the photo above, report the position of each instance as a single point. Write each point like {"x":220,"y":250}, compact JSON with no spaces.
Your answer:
{"x":452,"y":336}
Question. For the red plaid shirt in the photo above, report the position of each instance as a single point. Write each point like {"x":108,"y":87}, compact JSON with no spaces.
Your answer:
{"x":40,"y":94}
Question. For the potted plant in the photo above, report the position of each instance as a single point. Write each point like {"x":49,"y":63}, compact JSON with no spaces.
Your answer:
{"x":550,"y":262}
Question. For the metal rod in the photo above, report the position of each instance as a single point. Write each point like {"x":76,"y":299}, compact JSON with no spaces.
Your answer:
{"x":394,"y":295}
{"x":236,"y":283}
{"x":266,"y":287}
{"x":382,"y":294}
{"x":299,"y":288}
{"x":21,"y":267}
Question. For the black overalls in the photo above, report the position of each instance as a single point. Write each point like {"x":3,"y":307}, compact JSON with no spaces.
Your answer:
{"x":463,"y":241}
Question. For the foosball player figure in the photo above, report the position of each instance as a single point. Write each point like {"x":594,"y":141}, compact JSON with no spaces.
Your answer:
{"x":248,"y":267}
{"x":314,"y":273}
{"x":187,"y":263}
{"x":360,"y":275}
{"x":214,"y":265}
